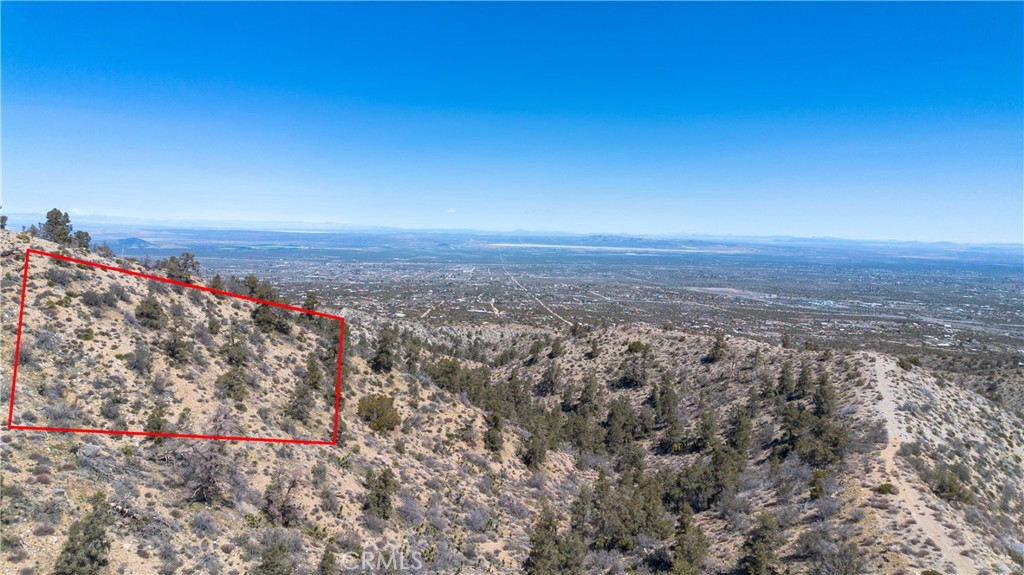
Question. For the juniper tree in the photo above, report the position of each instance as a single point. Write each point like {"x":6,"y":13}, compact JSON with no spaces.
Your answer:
{"x":549,"y":380}
{"x":696,"y":486}
{"x":582,"y":433}
{"x":787,"y":385}
{"x":691,"y":546}
{"x":379,"y":412}
{"x":551,"y":554}
{"x":493,"y":438}
{"x":824,"y":397}
{"x":57,"y":227}
{"x":217,"y":282}
{"x":535,"y":450}
{"x":274,"y":559}
{"x":556,"y":349}
{"x":312,"y":303}
{"x":86,"y":548}
{"x":544,"y":557}
{"x":182,"y":268}
{"x":727,"y":464}
{"x":300,"y":403}
{"x":328,"y":563}
{"x":741,"y":429}
{"x":380,"y":489}
{"x":621,"y":425}
{"x":572,"y":551}
{"x":665,"y":402}
{"x":707,"y":427}
{"x":270,"y":319}
{"x":760,"y":550}
{"x":232,"y":383}
{"x":804,"y":381}
{"x":177,"y":348}
{"x":385,"y":350}
{"x":315,"y":377}
{"x":267,"y":318}
{"x":210,"y":470}
{"x":150,"y":314}
{"x":621,"y":513}
{"x":279,"y":498}
{"x":589,"y":402}
{"x":234,"y":351}
{"x":719,"y":350}
{"x":633,"y":371}
{"x":673,"y":437}
{"x":81,"y":240}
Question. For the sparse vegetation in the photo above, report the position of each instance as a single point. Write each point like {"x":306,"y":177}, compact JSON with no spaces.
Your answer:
{"x":631,"y":433}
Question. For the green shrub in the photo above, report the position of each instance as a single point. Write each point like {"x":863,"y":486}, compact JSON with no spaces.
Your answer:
{"x":908,"y":363}
{"x":379,"y":412}
{"x":886,"y":489}
{"x":95,"y":299}
{"x":85,"y":551}
{"x":328,"y":564}
{"x":177,"y":348}
{"x":150,"y":314}
{"x":235,"y":352}
{"x":232,"y":382}
{"x":948,"y":486}
{"x":141,"y":360}
{"x":156,"y":422}
{"x":274,"y":559}
{"x":1016,"y":557}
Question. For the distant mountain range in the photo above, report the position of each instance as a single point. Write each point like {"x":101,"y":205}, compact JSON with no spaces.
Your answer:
{"x":130,"y":244}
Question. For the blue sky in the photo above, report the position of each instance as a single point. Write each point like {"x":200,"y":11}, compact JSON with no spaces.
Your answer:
{"x":863,"y":121}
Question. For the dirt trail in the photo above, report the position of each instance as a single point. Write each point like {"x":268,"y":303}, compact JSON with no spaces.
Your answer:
{"x":909,"y":496}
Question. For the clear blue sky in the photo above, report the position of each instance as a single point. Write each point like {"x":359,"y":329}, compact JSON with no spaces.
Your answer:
{"x":865,"y":121}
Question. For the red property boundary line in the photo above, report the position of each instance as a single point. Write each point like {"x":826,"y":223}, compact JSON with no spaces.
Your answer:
{"x":17,"y":354}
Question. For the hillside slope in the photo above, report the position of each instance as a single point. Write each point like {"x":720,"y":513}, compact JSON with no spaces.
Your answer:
{"x":453,"y":505}
{"x":801,"y":461}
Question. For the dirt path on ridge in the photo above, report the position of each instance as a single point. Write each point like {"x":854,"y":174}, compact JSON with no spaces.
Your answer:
{"x":908,"y":494}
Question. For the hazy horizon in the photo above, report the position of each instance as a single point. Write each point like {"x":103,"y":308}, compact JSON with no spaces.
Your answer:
{"x":120,"y":226}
